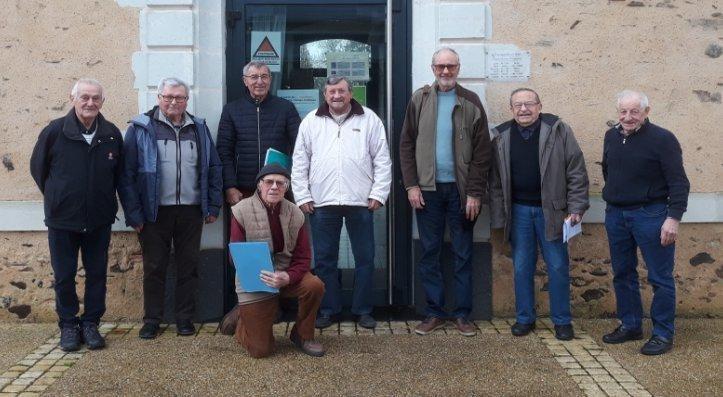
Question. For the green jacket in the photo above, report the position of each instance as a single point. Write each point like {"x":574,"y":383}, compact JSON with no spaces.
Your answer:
{"x":563,"y":176}
{"x":472,"y":148}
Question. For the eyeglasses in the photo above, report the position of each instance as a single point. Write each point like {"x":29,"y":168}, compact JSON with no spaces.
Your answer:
{"x":254,"y":77}
{"x":269,"y":183}
{"x":171,"y":98}
{"x":519,"y":105}
{"x":451,"y":67}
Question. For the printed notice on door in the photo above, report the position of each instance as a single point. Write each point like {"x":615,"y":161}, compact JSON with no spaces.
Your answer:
{"x":266,"y":47}
{"x":507,"y":64}
{"x":352,"y":65}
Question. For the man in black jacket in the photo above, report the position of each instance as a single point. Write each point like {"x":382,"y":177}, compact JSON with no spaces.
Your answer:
{"x":249,"y":126}
{"x":646,"y":191}
{"x":76,"y":164}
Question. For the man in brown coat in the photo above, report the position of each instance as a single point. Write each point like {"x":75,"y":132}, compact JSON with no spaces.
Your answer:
{"x":537,"y":181}
{"x":445,"y":158}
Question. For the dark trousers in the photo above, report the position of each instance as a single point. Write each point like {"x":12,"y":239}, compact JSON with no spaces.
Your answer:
{"x":181,"y":226}
{"x":64,"y":246}
{"x":627,"y":231}
{"x":445,"y":206}
{"x":326,"y":225}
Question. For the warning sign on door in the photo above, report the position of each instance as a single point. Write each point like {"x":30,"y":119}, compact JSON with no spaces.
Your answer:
{"x":266,"y":47}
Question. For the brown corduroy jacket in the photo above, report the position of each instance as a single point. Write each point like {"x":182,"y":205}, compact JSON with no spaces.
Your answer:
{"x":472,"y":148}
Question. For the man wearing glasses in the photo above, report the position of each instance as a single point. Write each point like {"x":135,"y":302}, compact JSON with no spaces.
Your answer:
{"x":445,"y":157}
{"x":538,"y":180}
{"x":267,"y":216}
{"x":249,"y":126}
{"x":171,"y":184}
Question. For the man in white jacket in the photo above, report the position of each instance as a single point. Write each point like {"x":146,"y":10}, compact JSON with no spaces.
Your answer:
{"x":341,"y":174}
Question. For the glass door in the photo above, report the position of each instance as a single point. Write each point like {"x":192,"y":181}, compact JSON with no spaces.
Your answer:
{"x":305,"y":43}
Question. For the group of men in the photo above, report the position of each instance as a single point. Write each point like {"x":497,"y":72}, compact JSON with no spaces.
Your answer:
{"x":171,"y":178}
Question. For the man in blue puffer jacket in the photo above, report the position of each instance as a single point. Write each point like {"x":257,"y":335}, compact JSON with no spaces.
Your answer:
{"x":248,"y":127}
{"x":171,"y":183}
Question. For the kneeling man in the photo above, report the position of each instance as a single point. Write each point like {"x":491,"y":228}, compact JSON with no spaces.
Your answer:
{"x":267,"y":216}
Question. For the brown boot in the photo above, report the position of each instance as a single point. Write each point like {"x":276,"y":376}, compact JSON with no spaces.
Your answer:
{"x":228,"y":324}
{"x":309,"y":347}
{"x":429,"y":325}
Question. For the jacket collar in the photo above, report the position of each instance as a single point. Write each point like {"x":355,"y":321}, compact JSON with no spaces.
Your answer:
{"x":253,"y":100}
{"x":356,"y":109}
{"x":71,"y":128}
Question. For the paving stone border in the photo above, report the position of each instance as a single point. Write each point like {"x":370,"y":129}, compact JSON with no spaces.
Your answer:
{"x":594,"y":370}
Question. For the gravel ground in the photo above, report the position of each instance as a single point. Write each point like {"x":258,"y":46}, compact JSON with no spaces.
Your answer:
{"x":693,"y":368}
{"x":19,"y":340}
{"x":488,"y":364}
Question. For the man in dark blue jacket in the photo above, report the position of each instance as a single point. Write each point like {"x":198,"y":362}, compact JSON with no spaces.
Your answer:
{"x":76,"y":163}
{"x":646,"y":191}
{"x":171,"y":183}
{"x":249,"y":126}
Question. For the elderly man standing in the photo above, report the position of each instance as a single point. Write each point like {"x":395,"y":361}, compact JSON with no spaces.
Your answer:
{"x":445,"y":157}
{"x":76,"y":164}
{"x":268,"y":216}
{"x":646,"y":191}
{"x":538,"y":180}
{"x":250,"y":126}
{"x":342,"y":174}
{"x":171,"y":183}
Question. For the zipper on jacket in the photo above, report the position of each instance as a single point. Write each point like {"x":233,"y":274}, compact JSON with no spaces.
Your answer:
{"x":178,"y":167}
{"x":258,"y":130}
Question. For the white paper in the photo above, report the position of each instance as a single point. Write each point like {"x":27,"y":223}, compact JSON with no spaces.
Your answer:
{"x":569,"y":230}
{"x":352,"y":65}
{"x":266,"y":47}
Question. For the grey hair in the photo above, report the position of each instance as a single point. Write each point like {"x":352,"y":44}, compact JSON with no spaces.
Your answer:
{"x":88,"y":81}
{"x":443,"y":49}
{"x":334,"y":80}
{"x":524,"y":89}
{"x":172,"y":82}
{"x":644,"y":102}
{"x":257,"y":65}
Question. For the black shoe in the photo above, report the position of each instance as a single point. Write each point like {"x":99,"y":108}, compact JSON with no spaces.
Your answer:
{"x":92,"y":338}
{"x":656,"y":345}
{"x":564,"y":332}
{"x":70,"y":338}
{"x":367,"y":321}
{"x":185,"y":328}
{"x":323,"y":321}
{"x":622,"y":334}
{"x":149,"y":331}
{"x":522,"y":329}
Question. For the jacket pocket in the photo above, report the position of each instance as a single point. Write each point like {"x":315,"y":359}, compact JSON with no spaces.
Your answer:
{"x":559,"y":204}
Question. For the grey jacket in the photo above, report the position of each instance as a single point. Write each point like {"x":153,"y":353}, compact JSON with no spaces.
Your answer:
{"x":562,"y":173}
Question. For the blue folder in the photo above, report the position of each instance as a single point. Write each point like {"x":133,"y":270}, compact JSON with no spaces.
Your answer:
{"x":275,"y":156}
{"x":250,"y":258}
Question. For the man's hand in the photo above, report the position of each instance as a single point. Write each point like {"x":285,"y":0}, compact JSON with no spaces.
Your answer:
{"x":210,"y":219}
{"x":473,"y":207}
{"x":138,"y":228}
{"x":307,"y":208}
{"x":275,"y":279}
{"x":669,"y":231}
{"x":575,"y":219}
{"x":416,"y":200}
{"x":373,"y":204}
{"x":233,"y":195}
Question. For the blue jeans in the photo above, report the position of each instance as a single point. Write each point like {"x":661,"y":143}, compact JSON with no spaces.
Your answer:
{"x":527,"y":231}
{"x":627,"y":230}
{"x":326,"y":225}
{"x":93,"y":246}
{"x":444,"y":205}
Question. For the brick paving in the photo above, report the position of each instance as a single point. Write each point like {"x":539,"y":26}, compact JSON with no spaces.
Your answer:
{"x":594,"y":370}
